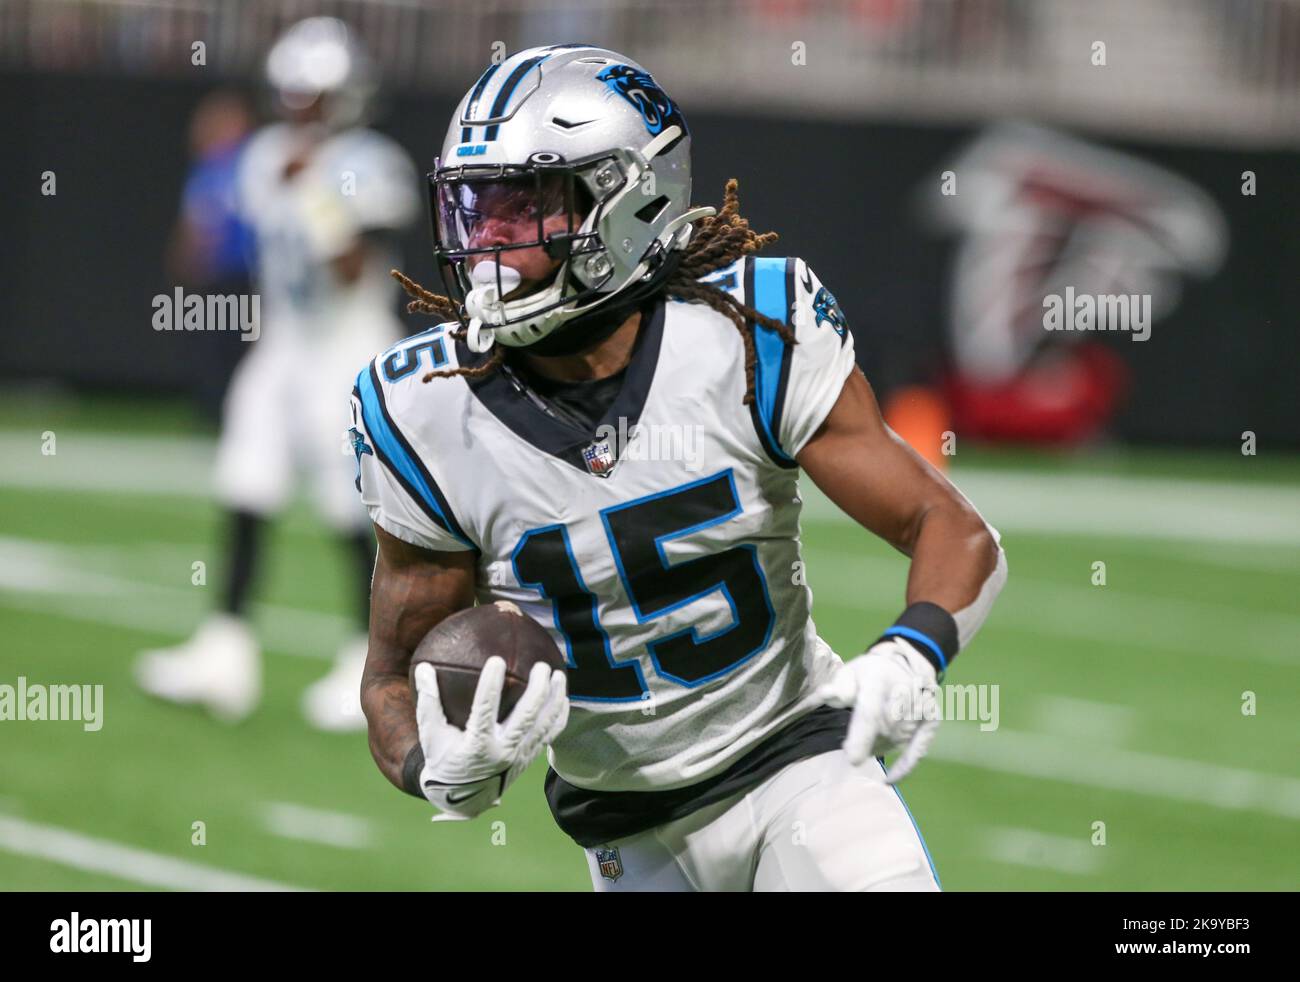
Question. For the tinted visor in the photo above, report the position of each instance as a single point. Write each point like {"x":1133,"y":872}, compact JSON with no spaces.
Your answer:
{"x":480,"y":214}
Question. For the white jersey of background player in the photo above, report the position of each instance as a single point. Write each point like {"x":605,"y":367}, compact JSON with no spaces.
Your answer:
{"x":323,"y":196}
{"x":586,"y":443}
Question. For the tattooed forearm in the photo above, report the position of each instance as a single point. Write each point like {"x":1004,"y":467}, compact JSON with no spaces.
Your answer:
{"x":413,"y":590}
{"x":390,"y":714}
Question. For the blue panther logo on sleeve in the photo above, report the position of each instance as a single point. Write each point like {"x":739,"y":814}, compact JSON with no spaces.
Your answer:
{"x":638,"y":88}
{"x":359,"y":446}
{"x":828,"y":311}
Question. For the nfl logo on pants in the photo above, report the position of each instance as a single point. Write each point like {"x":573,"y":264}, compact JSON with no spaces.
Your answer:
{"x":611,"y":867}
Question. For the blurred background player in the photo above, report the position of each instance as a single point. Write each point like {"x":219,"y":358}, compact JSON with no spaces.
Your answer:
{"x":211,"y":248}
{"x":324,"y":197}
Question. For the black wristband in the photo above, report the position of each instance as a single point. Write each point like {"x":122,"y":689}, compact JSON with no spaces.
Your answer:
{"x":932,"y":631}
{"x":411,"y":769}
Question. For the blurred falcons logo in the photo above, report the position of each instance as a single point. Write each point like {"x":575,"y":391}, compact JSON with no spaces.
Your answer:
{"x":1038,"y":212}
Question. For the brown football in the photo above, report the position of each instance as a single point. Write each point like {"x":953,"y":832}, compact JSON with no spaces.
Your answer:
{"x":459,"y":646}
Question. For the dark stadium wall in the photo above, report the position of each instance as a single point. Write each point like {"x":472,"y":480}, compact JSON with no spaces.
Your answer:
{"x":80,"y":268}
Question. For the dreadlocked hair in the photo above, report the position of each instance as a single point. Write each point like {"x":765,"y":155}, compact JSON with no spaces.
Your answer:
{"x":716,"y":242}
{"x":427,"y":302}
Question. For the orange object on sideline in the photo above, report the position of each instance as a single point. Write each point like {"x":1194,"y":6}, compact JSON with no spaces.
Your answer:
{"x":920,"y":415}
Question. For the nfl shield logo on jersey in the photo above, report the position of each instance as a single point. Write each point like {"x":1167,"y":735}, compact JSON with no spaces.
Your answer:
{"x":599,"y":458}
{"x":611,"y":866}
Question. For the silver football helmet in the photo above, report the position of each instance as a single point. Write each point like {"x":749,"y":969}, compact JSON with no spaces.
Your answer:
{"x":320,"y":59}
{"x":567,"y":154}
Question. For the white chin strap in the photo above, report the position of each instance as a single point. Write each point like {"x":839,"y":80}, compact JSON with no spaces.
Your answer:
{"x":484,"y":303}
{"x":487,"y":310}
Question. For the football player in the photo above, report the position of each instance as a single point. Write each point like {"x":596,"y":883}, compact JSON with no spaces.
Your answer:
{"x":324,"y":196}
{"x":703,"y":737}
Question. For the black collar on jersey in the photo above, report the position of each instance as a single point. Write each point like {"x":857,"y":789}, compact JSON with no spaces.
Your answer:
{"x":587,"y":330}
{"x":507,"y":396}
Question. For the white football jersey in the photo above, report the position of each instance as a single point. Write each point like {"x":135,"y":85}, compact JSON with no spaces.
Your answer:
{"x":662,"y":551}
{"x":354,"y":181}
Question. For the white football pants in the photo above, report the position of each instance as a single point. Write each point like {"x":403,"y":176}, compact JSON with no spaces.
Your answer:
{"x":819,"y":824}
{"x":286,"y":417}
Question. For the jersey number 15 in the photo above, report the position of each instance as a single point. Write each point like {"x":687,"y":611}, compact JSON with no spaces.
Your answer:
{"x":637,"y":530}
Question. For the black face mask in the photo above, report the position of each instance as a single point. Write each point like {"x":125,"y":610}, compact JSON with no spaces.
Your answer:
{"x":588,"y":330}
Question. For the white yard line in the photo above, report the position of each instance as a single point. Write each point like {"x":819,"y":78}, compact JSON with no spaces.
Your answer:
{"x":108,"y":462}
{"x":327,"y":828}
{"x":1106,"y":615}
{"x":1084,"y":719}
{"x":1048,"y":758}
{"x":128,"y":863}
{"x":1039,"y":850}
{"x":1283,"y":558}
{"x":1190,"y":510}
{"x":1118,"y":505}
{"x":51,"y":577}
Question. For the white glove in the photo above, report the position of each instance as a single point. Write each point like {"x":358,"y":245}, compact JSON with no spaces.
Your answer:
{"x":892,"y":689}
{"x":467,"y":771}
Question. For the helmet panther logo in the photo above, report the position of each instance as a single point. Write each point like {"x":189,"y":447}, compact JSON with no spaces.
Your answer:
{"x":638,"y":88}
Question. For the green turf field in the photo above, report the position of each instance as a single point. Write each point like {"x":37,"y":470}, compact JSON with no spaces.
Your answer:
{"x":1118,"y":704}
